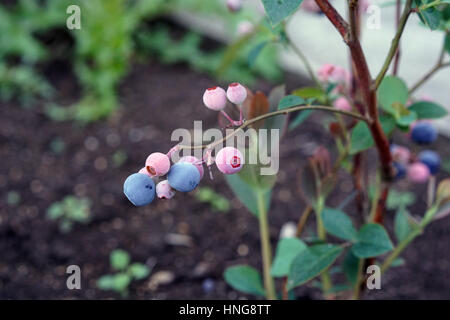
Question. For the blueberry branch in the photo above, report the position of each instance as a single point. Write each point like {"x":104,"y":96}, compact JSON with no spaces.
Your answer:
{"x":273,"y":114}
{"x":395,"y":43}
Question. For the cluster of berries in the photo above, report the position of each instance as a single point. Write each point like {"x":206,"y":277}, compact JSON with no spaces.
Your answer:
{"x":185,"y":175}
{"x":417,"y":169}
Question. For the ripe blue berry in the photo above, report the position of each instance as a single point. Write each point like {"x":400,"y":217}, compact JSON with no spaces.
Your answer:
{"x":139,"y":189}
{"x":183,"y":176}
{"x":431,"y":159}
{"x":400,"y":170}
{"x":424,"y":133}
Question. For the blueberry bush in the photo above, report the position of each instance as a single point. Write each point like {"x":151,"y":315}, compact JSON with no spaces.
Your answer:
{"x":368,"y":112}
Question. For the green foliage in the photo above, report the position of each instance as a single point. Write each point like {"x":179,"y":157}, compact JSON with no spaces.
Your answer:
{"x":287,"y":250}
{"x":120,"y":281}
{"x":397,"y":199}
{"x":214,"y":199}
{"x":361,"y":137}
{"x":278,"y":10}
{"x":13,"y":198}
{"x":244,"y":278}
{"x":338,"y":224}
{"x":311,"y":262}
{"x":69,"y":211}
{"x":428,"y":110}
{"x":291,"y":101}
{"x":402,"y":224}
{"x":372,"y":240}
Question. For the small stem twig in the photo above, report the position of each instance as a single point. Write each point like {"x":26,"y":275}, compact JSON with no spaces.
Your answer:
{"x":397,"y":24}
{"x":395,"y":43}
{"x":273,"y":114}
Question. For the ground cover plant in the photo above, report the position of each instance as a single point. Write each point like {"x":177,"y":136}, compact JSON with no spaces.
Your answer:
{"x":368,"y":109}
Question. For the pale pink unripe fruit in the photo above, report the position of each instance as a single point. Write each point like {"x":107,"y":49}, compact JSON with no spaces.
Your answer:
{"x":418,"y":173}
{"x":401,"y":154}
{"x":144,"y":171}
{"x":157,"y":164}
{"x":244,"y":28}
{"x":234,"y":5}
{"x":236,"y":93}
{"x":229,"y":160}
{"x":215,"y":98}
{"x":164,"y":191}
{"x":364,"y":6}
{"x":331,"y":73}
{"x":197,"y":163}
{"x":342,"y":104}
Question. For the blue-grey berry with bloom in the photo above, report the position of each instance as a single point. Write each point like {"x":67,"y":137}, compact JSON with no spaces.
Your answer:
{"x":424,"y":133}
{"x":139,"y":189}
{"x":431,"y":159}
{"x":183,"y":176}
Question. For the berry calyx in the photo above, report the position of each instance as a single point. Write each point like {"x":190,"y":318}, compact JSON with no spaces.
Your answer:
{"x":229,"y":160}
{"x":157,"y":164}
{"x":183,"y":176}
{"x":139,"y":189}
{"x":215,"y":98}
{"x":164,"y":191}
{"x":431,"y":159}
{"x":423,"y":133}
{"x":418,"y":173}
{"x":236,"y":93}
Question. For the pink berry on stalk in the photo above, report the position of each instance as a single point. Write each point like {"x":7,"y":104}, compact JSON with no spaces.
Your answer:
{"x":234,"y":5}
{"x":164,"y":191}
{"x":342,"y":104}
{"x":157,"y":164}
{"x":244,"y":28}
{"x":195,"y":162}
{"x":418,"y":173}
{"x":400,"y":154}
{"x":236,"y":93}
{"x":215,"y":98}
{"x":229,"y":160}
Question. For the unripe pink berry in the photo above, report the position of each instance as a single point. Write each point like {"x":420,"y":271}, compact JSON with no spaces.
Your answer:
{"x":157,"y":164}
{"x":310,"y":6}
{"x":195,"y":162}
{"x":400,"y":154}
{"x":332,"y":73}
{"x":418,"y":173}
{"x":215,"y":98}
{"x":244,"y":28}
{"x":144,"y":171}
{"x":342,"y":103}
{"x":164,"y":191}
{"x":236,"y":93}
{"x":229,"y":160}
{"x":234,"y":5}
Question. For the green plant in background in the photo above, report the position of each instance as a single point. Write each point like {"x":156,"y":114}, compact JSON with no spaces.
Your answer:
{"x":69,"y":211}
{"x":214,"y":199}
{"x":125,"y":273}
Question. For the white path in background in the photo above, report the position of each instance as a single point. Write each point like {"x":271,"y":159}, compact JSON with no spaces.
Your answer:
{"x":420,"y":50}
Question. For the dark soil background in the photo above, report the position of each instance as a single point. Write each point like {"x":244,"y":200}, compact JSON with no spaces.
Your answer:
{"x":157,"y":99}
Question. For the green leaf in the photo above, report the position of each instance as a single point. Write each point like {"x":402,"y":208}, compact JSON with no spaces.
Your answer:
{"x":287,"y":250}
{"x":290,"y":101}
{"x":311,"y":262}
{"x":139,"y":271}
{"x":277,"y":10}
{"x":397,"y":199}
{"x":392,"y":90}
{"x":106,"y":282}
{"x":119,"y":259}
{"x":428,"y":110}
{"x":402,"y":227}
{"x":121,"y":281}
{"x":350,"y":267}
{"x":372,"y":241}
{"x":244,"y":278}
{"x":300,"y":118}
{"x":254,"y":53}
{"x":246,"y":194}
{"x":361,"y":137}
{"x":338,"y":224}
{"x":309,"y":92}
